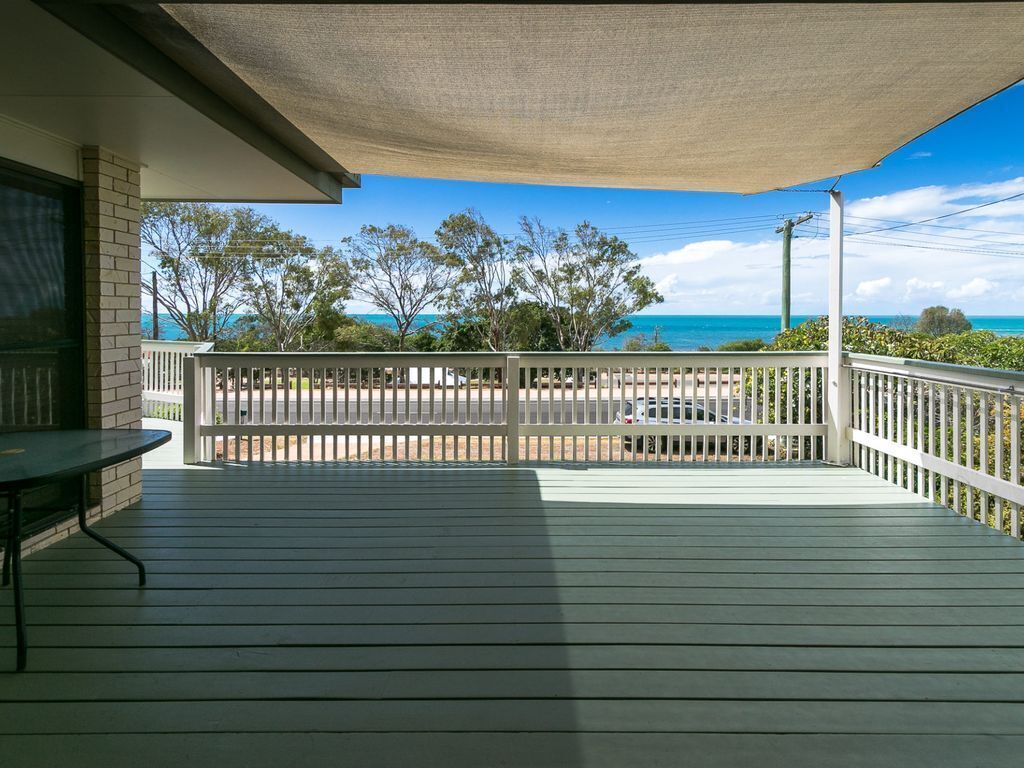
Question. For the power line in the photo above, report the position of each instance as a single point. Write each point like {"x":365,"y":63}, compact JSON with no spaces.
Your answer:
{"x":943,"y":238}
{"x":943,"y":216}
{"x":936,"y":226}
{"x":975,"y":251}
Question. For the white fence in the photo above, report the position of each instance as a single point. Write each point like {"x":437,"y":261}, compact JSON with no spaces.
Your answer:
{"x":636,"y":407}
{"x":949,"y":433}
{"x":29,"y":392}
{"x":162,"y":370}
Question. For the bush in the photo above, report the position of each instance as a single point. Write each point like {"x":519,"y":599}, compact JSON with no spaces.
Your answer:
{"x":742,"y":345}
{"x":979,"y":348}
{"x":939,"y":321}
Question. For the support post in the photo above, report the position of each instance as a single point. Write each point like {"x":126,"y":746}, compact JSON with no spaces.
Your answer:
{"x":838,"y":393}
{"x":512,"y":410}
{"x":156,"y":317}
{"x":191,"y":410}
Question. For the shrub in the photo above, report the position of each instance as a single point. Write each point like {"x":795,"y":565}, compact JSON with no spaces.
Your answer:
{"x":742,"y":345}
{"x":938,"y":321}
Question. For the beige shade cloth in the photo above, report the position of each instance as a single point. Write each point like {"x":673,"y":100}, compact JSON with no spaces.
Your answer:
{"x":740,"y":98}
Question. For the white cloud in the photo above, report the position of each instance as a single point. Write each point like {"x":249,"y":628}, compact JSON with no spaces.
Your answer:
{"x":693,"y":253}
{"x":666,"y":286}
{"x":868,"y":288}
{"x":883,"y":275}
{"x":937,"y":200}
{"x":918,"y":287}
{"x":977,"y":287}
{"x":920,"y":155}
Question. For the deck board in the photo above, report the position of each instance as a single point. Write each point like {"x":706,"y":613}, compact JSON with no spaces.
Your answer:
{"x":792,"y":615}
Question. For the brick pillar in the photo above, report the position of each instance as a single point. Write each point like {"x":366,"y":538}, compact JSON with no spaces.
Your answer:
{"x":113,"y":305}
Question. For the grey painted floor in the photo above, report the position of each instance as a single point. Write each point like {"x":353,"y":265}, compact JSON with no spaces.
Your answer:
{"x":602,"y":616}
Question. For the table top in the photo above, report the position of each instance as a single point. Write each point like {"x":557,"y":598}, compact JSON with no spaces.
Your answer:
{"x":28,"y":459}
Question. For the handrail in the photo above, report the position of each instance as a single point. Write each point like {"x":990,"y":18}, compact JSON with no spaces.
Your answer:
{"x":995,"y":380}
{"x":542,"y":406}
{"x":949,"y":433}
{"x":162,"y":370}
{"x":929,"y":427}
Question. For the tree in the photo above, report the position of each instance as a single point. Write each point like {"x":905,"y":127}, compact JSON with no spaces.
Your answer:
{"x":484,"y":293}
{"x":640,"y":343}
{"x":939,"y":320}
{"x":201,"y":252}
{"x":741,"y":345}
{"x":363,"y":336}
{"x":587,"y":283}
{"x":289,"y":284}
{"x":397,"y":273}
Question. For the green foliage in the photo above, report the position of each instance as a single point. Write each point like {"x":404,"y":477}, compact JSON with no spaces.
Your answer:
{"x":532,"y":329}
{"x":482,"y":296}
{"x":939,"y":320}
{"x":201,"y":251}
{"x":742,"y":345}
{"x":398,"y":273}
{"x":456,"y":334}
{"x":978,"y":348}
{"x":587,"y":282}
{"x":247,"y":335}
{"x":294,"y":289}
{"x":640,"y":343}
{"x":361,"y":336}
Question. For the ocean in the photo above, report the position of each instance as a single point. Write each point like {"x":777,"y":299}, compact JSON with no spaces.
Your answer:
{"x":683,"y":332}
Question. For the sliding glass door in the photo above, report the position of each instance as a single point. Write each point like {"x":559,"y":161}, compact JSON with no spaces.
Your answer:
{"x":42,"y":363}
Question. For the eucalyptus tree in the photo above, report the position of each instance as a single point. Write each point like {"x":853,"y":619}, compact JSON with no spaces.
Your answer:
{"x":483,"y":295}
{"x":201,"y":252}
{"x":399,"y":274}
{"x":290,"y":285}
{"x":588,"y":282}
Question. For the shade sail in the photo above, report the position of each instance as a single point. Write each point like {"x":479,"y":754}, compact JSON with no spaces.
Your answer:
{"x":740,"y":98}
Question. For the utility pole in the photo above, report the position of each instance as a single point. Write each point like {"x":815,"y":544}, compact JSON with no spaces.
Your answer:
{"x":156,"y":317}
{"x":787,"y":238}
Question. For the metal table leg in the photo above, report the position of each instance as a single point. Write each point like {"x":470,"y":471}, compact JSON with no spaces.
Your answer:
{"x":8,"y":540}
{"x":14,"y":545}
{"x":83,"y":499}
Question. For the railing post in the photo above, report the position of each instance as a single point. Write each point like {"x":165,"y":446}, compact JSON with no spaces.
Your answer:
{"x":512,"y":410}
{"x":192,"y":410}
{"x":838,"y":393}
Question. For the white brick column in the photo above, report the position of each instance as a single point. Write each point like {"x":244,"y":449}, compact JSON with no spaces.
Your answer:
{"x":112,"y":314}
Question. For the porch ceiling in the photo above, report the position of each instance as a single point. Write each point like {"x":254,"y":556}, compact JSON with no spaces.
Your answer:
{"x":740,"y":98}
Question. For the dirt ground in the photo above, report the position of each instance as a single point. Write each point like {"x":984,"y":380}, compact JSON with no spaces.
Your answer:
{"x":452,"y":449}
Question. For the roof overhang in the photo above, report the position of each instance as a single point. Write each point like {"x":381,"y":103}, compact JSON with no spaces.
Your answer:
{"x":739,"y":97}
{"x":726,"y":97}
{"x":101,"y":83}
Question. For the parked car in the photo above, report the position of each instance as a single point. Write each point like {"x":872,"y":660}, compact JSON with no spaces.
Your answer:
{"x":651,"y":411}
{"x":445,"y":378}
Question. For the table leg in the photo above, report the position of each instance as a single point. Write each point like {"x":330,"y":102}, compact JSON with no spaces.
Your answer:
{"x":83,"y":499}
{"x":8,"y":539}
{"x":14,"y":544}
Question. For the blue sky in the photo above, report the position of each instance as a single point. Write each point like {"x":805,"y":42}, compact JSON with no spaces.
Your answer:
{"x":712,"y":268}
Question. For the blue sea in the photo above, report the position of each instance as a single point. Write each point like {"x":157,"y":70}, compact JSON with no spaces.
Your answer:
{"x":683,"y":332}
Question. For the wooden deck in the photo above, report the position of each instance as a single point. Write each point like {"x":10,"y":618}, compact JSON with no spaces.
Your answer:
{"x":600,"y":616}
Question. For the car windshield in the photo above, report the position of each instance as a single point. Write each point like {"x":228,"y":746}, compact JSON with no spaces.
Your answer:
{"x":656,"y":411}
{"x":652,"y":412}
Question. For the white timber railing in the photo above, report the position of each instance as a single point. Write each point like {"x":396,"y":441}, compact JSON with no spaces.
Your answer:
{"x":162,"y":371}
{"x":949,"y":433}
{"x":635,"y":407}
{"x":29,"y":390}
